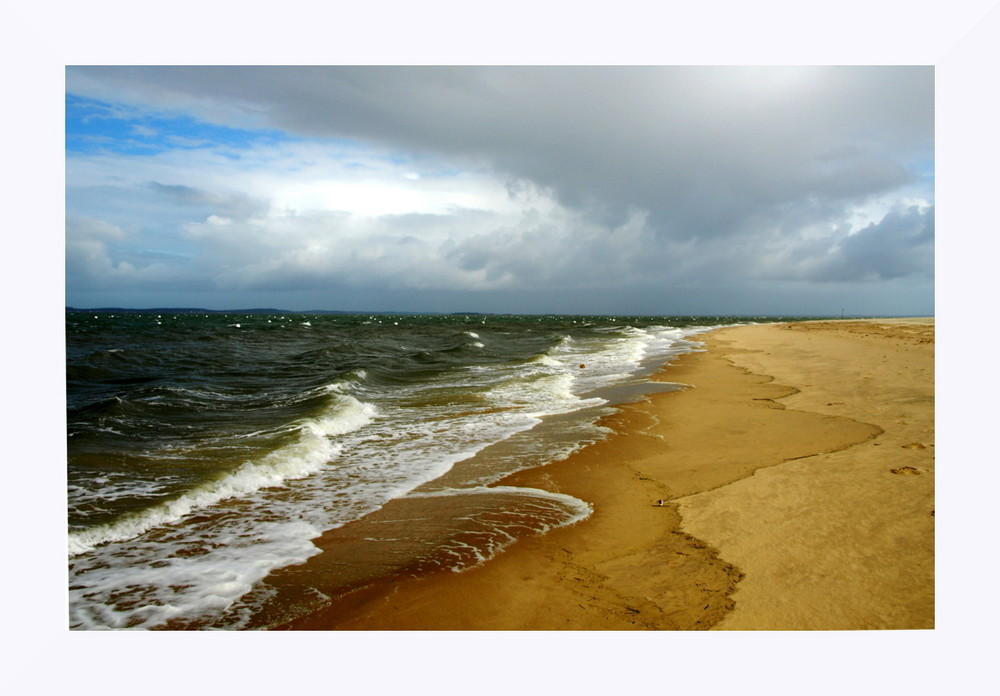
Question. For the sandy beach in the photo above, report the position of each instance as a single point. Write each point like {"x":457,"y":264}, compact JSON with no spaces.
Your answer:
{"x":797,"y":480}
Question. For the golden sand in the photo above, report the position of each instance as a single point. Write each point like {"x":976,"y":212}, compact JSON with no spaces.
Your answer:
{"x":798,"y":479}
{"x":843,"y":540}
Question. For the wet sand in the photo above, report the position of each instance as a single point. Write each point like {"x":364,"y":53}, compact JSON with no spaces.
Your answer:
{"x":797,"y":480}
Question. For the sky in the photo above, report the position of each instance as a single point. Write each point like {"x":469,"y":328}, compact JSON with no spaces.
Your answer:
{"x":624,"y":190}
{"x":259,"y":148}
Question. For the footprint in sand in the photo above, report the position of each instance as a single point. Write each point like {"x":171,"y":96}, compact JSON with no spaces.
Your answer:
{"x":905,"y":470}
{"x":915,"y":446}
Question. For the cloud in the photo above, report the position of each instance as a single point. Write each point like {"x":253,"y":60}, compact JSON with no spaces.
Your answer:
{"x":463,"y":250}
{"x":239,"y":206}
{"x":89,"y":229}
{"x":561,"y":249}
{"x":93,"y":262}
{"x":555,"y":180}
{"x":901,"y":245}
{"x":671,"y":141}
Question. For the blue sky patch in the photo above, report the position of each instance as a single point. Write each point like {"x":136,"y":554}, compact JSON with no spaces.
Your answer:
{"x":95,"y":126}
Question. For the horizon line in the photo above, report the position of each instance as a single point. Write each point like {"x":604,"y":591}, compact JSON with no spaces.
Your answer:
{"x":275,"y":310}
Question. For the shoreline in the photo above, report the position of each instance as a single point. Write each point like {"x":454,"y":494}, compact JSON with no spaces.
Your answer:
{"x":634,"y":565}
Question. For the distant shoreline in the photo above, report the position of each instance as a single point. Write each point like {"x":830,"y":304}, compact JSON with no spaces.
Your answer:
{"x":272,"y":310}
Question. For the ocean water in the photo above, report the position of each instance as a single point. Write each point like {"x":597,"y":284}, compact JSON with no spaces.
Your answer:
{"x":209,"y":450}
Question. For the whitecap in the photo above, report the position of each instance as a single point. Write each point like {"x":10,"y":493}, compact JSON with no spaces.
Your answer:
{"x":312,"y":450}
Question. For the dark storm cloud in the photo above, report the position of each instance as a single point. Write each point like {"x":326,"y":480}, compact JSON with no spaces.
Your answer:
{"x":700,"y":148}
{"x":671,"y":180}
{"x":901,"y":245}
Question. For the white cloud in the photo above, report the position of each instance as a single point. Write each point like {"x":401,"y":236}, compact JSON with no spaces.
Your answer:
{"x":91,"y":259}
{"x":302,"y":215}
{"x":573,"y":180}
{"x":88,"y":229}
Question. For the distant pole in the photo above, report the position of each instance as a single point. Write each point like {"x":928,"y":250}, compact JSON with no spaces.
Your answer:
{"x":841,"y":312}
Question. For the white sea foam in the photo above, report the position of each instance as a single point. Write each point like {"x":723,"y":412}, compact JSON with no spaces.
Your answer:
{"x":305,"y":456}
{"x":581,"y":508}
{"x":544,"y":395}
{"x":541,"y":511}
{"x":186,"y":585}
{"x":547,"y":360}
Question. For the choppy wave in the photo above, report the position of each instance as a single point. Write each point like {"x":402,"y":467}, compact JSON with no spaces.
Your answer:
{"x":312,"y":450}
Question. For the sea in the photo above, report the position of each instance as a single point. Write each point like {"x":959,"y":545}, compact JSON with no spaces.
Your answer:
{"x":208,"y":451}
